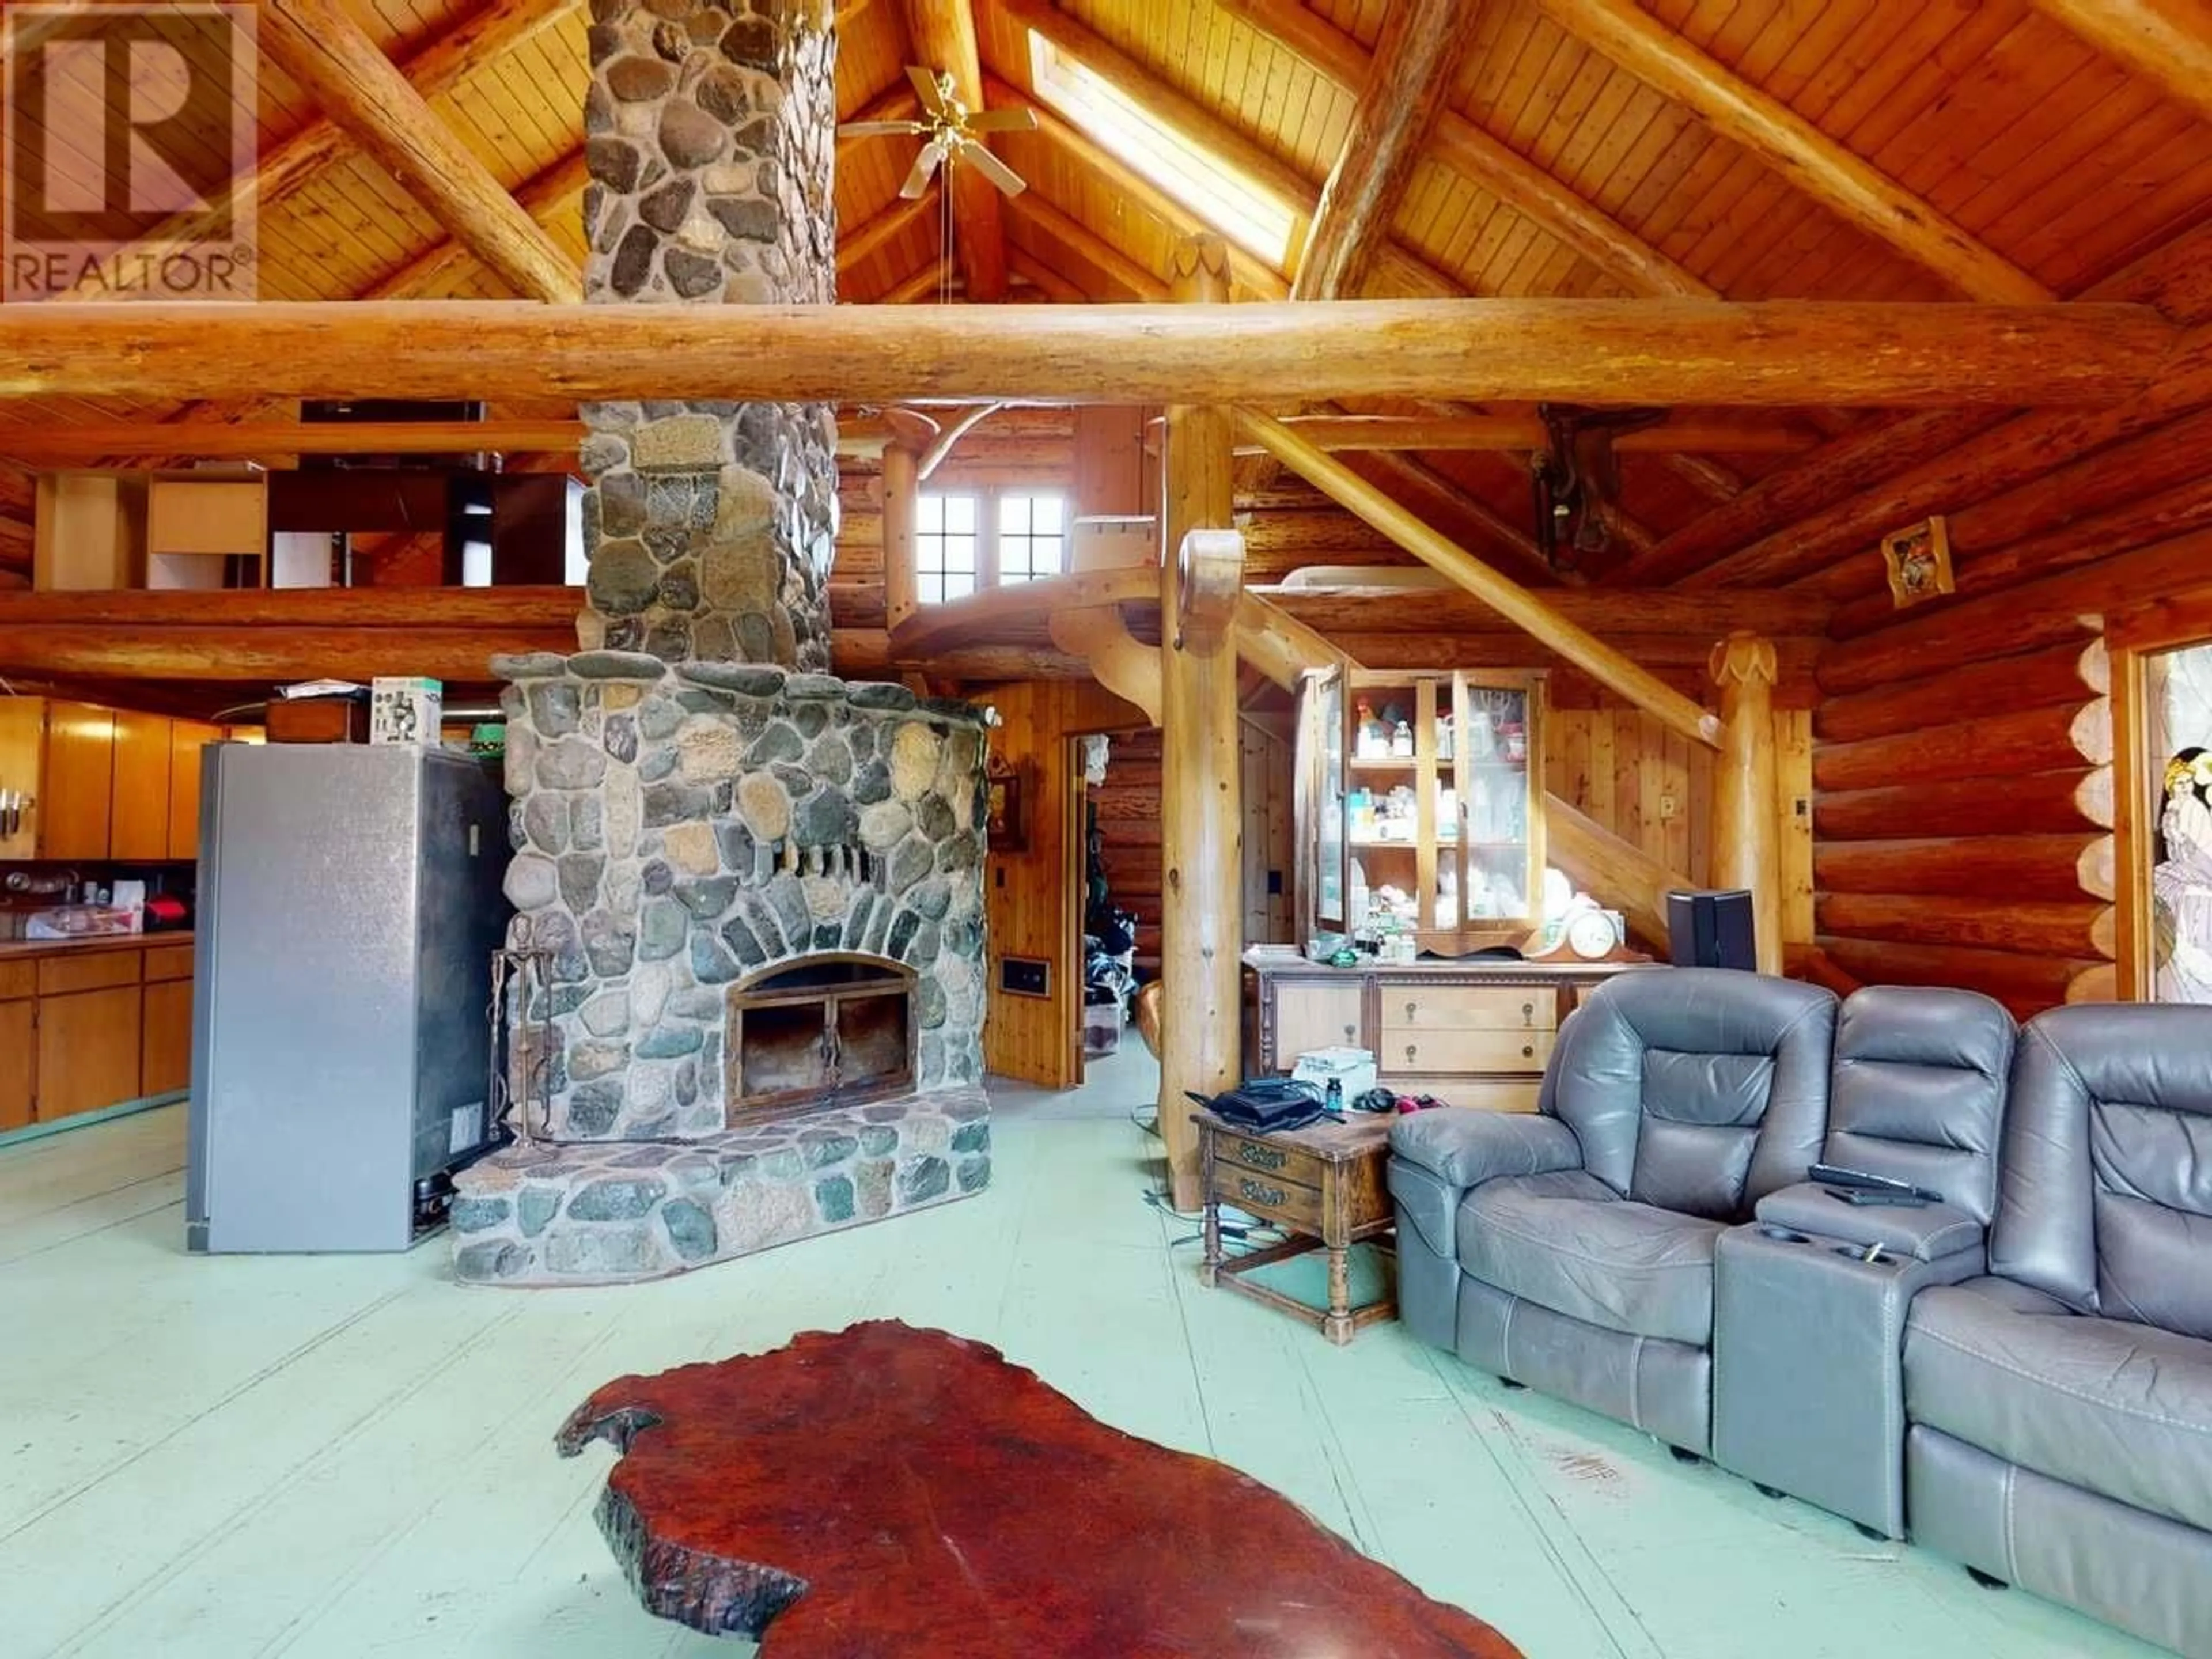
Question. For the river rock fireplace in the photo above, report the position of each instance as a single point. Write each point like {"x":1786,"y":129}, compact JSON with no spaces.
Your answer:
{"x":752,"y":893}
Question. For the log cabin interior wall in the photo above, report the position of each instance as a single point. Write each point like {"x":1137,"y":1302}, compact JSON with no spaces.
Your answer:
{"x":1957,"y":754}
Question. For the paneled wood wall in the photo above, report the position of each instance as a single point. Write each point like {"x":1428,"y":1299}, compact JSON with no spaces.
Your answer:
{"x":1032,"y":894}
{"x":1653,"y":788}
{"x":1270,"y":836}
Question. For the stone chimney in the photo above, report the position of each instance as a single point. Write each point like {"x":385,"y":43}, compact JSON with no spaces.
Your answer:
{"x":711,"y":127}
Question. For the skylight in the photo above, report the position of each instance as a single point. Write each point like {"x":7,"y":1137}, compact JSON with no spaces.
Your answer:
{"x":1252,"y":217}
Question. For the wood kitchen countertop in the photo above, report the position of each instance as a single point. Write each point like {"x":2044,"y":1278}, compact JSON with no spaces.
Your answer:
{"x":15,"y":949}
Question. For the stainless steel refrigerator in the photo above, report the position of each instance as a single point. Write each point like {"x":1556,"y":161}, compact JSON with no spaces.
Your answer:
{"x":348,"y":905}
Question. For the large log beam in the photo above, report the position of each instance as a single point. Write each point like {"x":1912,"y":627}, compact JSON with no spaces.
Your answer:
{"x":1521,"y":433}
{"x":2055,"y":802}
{"x":319,"y":45}
{"x":1278,"y":645}
{"x":2167,"y":42}
{"x":943,"y":32}
{"x":1471,"y":152}
{"x":2068,"y":673}
{"x":1516,"y":603}
{"x":1201,"y":820}
{"x":1993,"y":746}
{"x":1798,"y":150}
{"x":1408,"y":81}
{"x":1609,"y":352}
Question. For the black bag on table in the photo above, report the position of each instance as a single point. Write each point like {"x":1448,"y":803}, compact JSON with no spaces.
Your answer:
{"x":1264,"y":1104}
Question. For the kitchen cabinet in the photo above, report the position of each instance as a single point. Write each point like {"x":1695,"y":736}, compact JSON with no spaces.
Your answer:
{"x":186,"y":739}
{"x":166,"y":1038}
{"x":1420,"y":807}
{"x":77,"y":796}
{"x":19,"y":1053}
{"x":87,"y":1026}
{"x":88,"y":1048}
{"x":138,"y":812}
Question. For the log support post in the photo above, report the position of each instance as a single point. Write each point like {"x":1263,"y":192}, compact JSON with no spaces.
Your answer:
{"x":1201,"y":814}
{"x":1747,"y":828}
{"x":902,"y":505}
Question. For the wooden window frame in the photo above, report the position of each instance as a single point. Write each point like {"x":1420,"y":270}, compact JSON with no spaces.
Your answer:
{"x":2173,"y":622}
{"x":988,"y":493}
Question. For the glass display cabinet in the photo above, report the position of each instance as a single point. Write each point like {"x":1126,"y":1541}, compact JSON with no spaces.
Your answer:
{"x":1421,"y":807}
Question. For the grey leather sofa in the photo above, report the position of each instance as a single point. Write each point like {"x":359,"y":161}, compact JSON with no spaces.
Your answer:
{"x":1810,"y":1302}
{"x":2061,"y":1406}
{"x":1572,"y":1250}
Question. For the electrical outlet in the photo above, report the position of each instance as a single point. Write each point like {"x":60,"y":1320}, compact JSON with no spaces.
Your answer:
{"x":1670,"y":805}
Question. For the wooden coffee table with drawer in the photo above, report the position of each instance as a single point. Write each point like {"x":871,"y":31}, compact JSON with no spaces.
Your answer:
{"x":1322,"y":1184}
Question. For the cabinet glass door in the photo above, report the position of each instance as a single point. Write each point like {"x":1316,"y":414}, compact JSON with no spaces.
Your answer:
{"x":1495,"y":745}
{"x":1329,"y":816}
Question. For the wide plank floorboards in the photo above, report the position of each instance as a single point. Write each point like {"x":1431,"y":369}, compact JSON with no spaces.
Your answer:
{"x":235,"y":1456}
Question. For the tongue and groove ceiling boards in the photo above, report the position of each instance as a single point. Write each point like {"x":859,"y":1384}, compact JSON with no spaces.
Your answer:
{"x":1990,"y":150}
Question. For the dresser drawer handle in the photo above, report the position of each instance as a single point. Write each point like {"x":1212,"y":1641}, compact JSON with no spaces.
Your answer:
{"x":1527,"y":1051}
{"x":1410,"y":1051}
{"x":1527,"y":1012}
{"x":1261,"y":1157}
{"x":1409,"y":1011}
{"x":1351,"y":1031}
{"x":1248,"y":1188}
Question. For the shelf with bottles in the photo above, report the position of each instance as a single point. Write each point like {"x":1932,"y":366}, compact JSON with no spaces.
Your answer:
{"x":1384,"y":719}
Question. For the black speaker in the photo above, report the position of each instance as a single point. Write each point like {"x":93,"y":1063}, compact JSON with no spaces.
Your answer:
{"x":1711,"y":930}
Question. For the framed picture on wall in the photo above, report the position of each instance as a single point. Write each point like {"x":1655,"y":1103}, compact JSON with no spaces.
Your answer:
{"x":1005,"y":821}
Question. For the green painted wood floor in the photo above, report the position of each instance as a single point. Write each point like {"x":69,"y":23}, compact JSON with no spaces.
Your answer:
{"x":238,"y":1456}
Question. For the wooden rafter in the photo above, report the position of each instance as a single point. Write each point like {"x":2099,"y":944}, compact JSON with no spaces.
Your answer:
{"x":1131,"y":186}
{"x":552,"y":195}
{"x":1122,"y":277}
{"x":944,"y":35}
{"x":1408,"y":79}
{"x":2167,"y":42}
{"x":1524,"y":432}
{"x":483,"y":36}
{"x":886,"y":228}
{"x":1824,"y":169}
{"x":1282,"y":185}
{"x":318,"y":44}
{"x":1474,"y":153}
{"x":1517,"y":605}
{"x":1615,"y":352}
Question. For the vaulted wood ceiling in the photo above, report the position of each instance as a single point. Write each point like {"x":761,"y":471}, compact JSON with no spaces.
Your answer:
{"x":1860,"y":150}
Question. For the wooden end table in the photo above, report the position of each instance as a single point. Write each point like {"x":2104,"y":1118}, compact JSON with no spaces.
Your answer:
{"x":1322,"y":1184}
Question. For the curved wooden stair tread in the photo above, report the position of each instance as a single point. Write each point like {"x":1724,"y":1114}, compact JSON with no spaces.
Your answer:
{"x":1019,"y":613}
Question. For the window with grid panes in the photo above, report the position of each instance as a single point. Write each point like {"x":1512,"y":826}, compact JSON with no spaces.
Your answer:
{"x":946,"y":533}
{"x":1032,"y":538}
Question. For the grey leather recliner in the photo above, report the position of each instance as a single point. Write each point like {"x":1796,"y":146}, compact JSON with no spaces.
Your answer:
{"x":1572,"y":1250}
{"x":2061,"y":1407}
{"x":1809,"y":1302}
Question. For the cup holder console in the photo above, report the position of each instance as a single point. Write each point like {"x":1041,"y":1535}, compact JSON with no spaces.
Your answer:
{"x":1783,"y":1234}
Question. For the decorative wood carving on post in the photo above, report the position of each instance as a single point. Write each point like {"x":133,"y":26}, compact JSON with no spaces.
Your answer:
{"x":1201,"y":818}
{"x":1746,"y":834}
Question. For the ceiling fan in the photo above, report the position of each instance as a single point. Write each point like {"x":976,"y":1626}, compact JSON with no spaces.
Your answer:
{"x":948,"y":131}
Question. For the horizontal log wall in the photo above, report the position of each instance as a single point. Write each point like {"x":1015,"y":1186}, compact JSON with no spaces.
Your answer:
{"x":1128,"y":815}
{"x":1963,"y":765}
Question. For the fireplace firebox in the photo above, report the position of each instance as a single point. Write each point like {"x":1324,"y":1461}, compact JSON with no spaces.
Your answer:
{"x":830,"y":1028}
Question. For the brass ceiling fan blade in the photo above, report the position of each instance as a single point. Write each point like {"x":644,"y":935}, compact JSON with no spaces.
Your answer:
{"x":881,"y":129}
{"x":917,"y":179}
{"x":993,"y":169}
{"x":926,"y":89}
{"x":1003,"y":120}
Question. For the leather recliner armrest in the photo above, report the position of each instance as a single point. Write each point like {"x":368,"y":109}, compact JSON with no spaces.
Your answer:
{"x":1467,"y":1146}
{"x":1926,"y":1232}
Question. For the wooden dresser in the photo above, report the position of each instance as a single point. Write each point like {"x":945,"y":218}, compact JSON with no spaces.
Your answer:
{"x":1475,"y":1033}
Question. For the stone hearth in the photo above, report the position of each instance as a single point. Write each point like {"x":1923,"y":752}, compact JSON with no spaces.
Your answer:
{"x":704,"y":823}
{"x":596,"y":1213}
